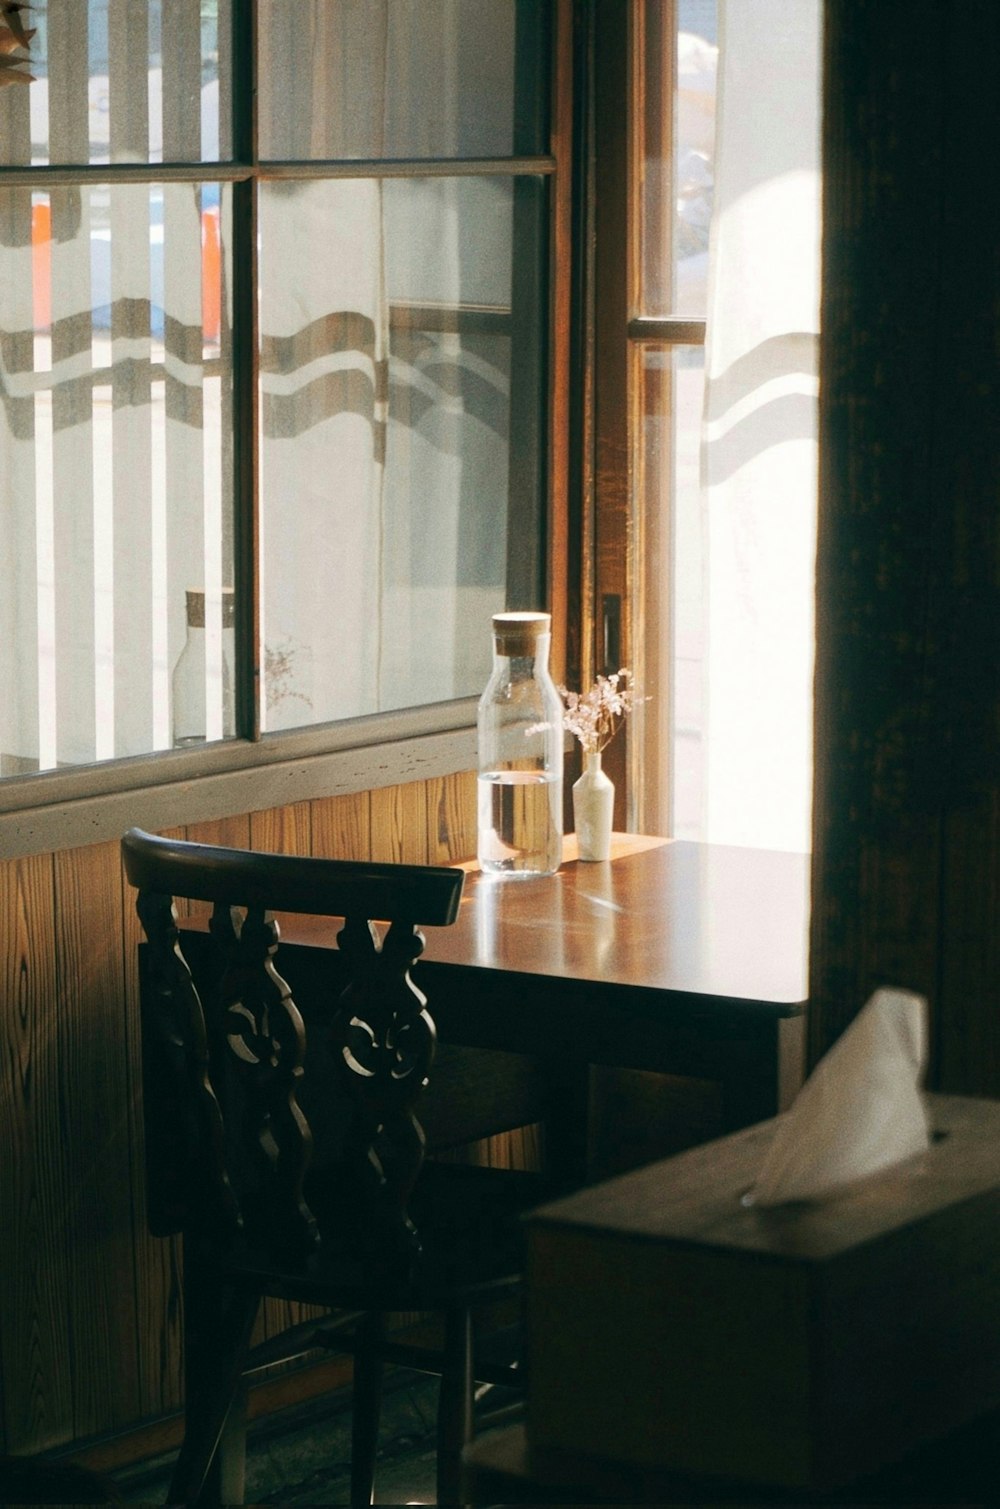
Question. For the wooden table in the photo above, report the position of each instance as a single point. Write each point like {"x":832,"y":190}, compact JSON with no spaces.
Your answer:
{"x":678,"y":957}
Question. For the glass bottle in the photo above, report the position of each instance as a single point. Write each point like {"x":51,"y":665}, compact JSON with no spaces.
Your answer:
{"x":194,"y":695}
{"x":520,"y":752}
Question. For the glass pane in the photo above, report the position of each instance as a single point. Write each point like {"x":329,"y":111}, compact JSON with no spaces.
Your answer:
{"x":374,"y":79}
{"x":737,"y":637}
{"x":401,"y":326}
{"x":114,"y":476}
{"x":670,"y":729}
{"x":117,"y":81}
{"x":678,"y":132}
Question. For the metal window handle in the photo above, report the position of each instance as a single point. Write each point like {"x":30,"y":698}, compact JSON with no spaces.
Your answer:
{"x":611,"y":633}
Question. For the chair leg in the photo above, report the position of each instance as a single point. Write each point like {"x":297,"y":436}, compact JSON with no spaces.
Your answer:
{"x":366,"y":1405}
{"x":217,"y":1327}
{"x":455,"y":1417}
{"x":226,"y":1482}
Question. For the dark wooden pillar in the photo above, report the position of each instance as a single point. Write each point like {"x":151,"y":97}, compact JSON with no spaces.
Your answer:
{"x":907,"y":815}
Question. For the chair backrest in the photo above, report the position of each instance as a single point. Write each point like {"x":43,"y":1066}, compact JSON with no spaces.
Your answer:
{"x":281,"y":1128}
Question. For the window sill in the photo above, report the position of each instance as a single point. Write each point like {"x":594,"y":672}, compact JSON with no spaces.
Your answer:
{"x":67,"y":809}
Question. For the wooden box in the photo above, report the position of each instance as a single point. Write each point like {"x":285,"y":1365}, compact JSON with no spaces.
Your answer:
{"x":673,"y":1328}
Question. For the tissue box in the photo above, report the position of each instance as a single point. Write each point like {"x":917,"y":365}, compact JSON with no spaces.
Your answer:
{"x":672,"y":1328}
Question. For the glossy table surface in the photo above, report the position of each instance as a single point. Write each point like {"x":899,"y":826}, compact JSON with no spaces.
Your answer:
{"x":680,"y":958}
{"x":687,"y":919}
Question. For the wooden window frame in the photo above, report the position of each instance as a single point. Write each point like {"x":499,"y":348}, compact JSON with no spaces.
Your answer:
{"x":67,"y":807}
{"x":616,"y":527}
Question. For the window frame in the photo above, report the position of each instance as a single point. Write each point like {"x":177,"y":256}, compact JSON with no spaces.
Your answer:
{"x":616,"y":548}
{"x":83,"y":804}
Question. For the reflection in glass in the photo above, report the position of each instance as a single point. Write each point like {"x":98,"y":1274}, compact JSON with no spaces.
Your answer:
{"x":678,"y":136}
{"x":378,"y":79}
{"x":139,"y":82}
{"x":113,"y":489}
{"x":669,"y":729}
{"x":389,"y":383}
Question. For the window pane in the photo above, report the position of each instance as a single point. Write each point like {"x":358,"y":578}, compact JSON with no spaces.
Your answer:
{"x":119,"y":81}
{"x":678,"y":131}
{"x":400,"y":374}
{"x":669,"y":730}
{"x":737,"y":638}
{"x":114,"y":477}
{"x":375,"y":79}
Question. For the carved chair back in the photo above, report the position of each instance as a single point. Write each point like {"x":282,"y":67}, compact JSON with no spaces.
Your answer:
{"x":286,"y":1127}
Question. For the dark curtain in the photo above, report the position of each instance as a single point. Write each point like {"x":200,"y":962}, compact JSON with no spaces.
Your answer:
{"x":907,"y":837}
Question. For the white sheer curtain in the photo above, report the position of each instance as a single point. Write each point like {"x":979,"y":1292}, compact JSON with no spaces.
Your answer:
{"x":759,"y":455}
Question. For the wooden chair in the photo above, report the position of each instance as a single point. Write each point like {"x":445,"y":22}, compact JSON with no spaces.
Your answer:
{"x":282,"y":1142}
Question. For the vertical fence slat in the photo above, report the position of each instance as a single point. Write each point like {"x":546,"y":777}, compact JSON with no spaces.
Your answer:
{"x":18,"y":604}
{"x":72,"y":476}
{"x":72,"y":361}
{"x":184,"y":391}
{"x":129,"y":470}
{"x":19,"y":731}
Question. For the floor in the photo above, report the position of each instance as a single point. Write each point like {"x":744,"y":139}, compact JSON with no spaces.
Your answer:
{"x":303,"y":1457}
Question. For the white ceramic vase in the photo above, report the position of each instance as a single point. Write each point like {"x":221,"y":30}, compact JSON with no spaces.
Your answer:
{"x":593,"y":804}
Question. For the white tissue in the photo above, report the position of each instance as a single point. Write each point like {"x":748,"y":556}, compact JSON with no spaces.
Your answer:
{"x":859,"y":1111}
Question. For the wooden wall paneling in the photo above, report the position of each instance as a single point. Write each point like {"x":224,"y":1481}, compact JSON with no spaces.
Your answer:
{"x":35,"y":1320}
{"x":451,"y":818}
{"x":341,"y":827}
{"x":231,"y":832}
{"x":95,"y":1096}
{"x":159,"y":1315}
{"x":282,"y":830}
{"x":399,"y":824}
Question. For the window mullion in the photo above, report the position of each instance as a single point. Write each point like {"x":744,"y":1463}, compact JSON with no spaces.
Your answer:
{"x":246,"y":384}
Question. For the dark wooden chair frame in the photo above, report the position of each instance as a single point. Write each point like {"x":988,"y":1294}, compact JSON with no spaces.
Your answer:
{"x":317,"y":1207}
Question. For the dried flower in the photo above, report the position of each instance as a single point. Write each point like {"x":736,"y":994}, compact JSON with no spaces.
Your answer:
{"x":594,"y":717}
{"x":15,"y":38}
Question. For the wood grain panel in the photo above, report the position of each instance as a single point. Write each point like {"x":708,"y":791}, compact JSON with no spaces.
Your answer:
{"x":98,"y":1160}
{"x":451,"y":818}
{"x":230,"y":832}
{"x":35,"y":1320}
{"x":399,"y":824}
{"x":341,"y":827}
{"x":282,"y":830}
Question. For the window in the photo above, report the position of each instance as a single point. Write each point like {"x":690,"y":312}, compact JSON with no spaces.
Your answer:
{"x":275,"y":373}
{"x":705,"y":429}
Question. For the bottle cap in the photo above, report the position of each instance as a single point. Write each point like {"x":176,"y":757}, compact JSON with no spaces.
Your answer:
{"x":195,"y":606}
{"x":516,"y":633}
